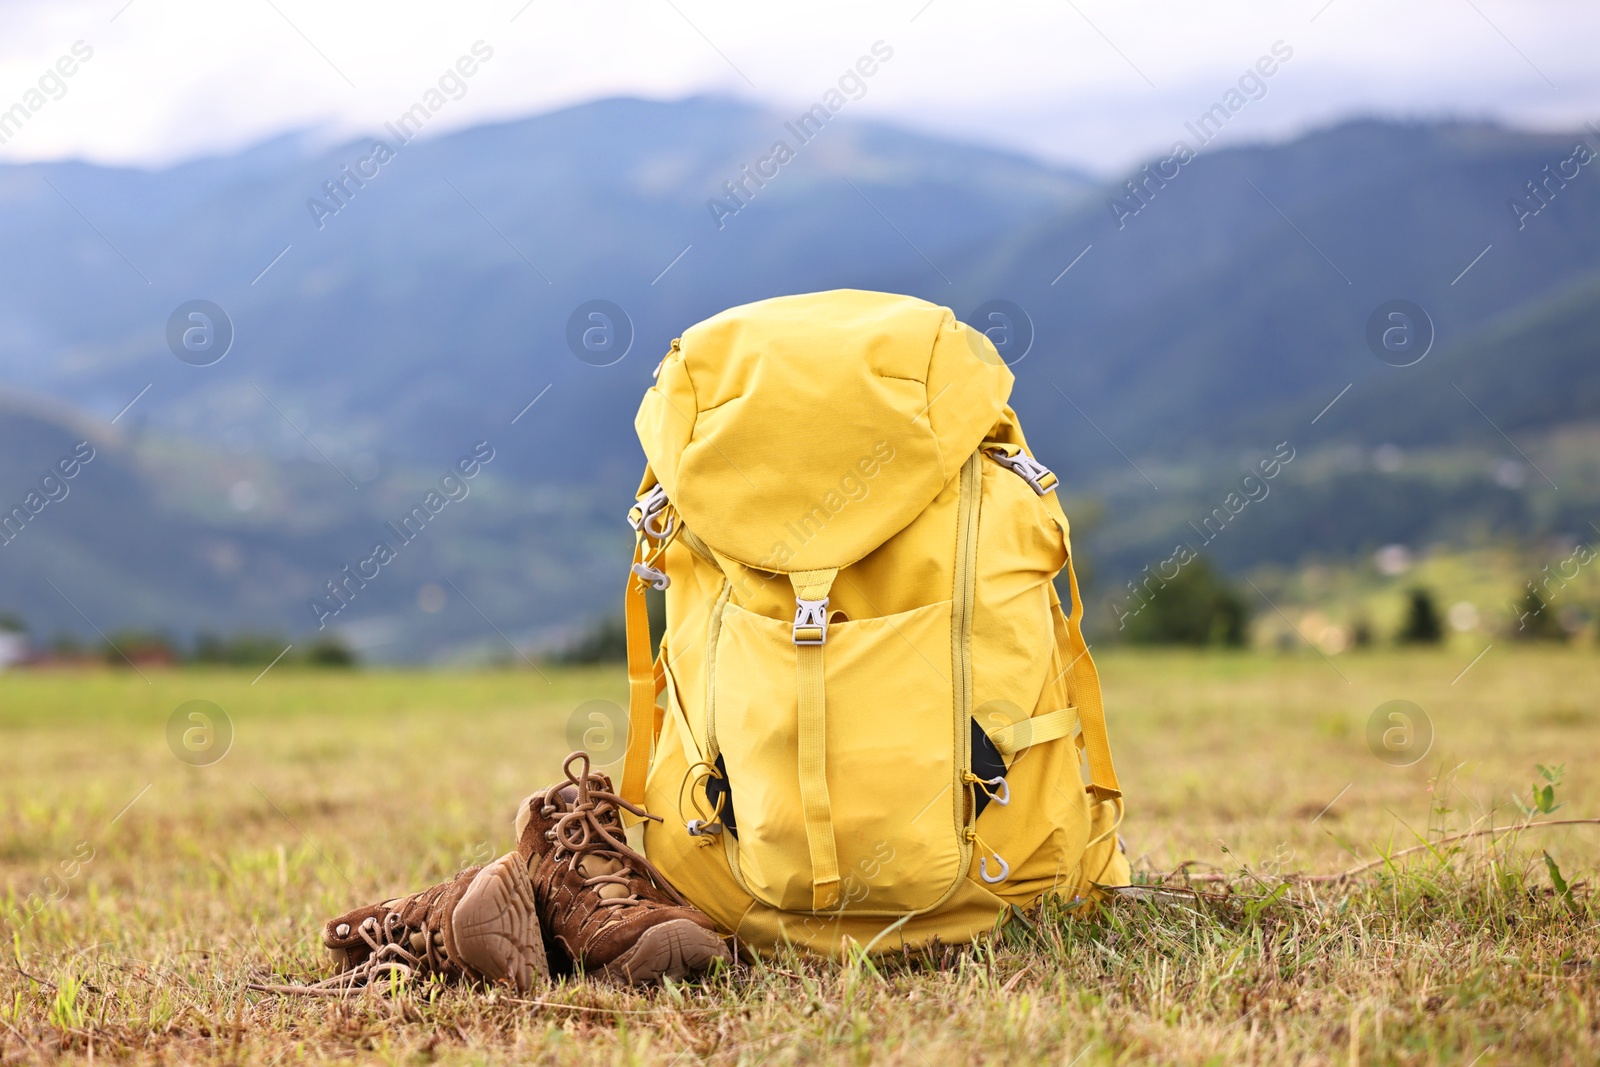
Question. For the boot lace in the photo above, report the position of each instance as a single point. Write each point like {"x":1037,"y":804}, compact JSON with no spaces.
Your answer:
{"x":589,"y":826}
{"x":392,"y":958}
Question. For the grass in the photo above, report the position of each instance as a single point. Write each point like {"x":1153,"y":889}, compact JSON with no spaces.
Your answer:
{"x":132,"y":930}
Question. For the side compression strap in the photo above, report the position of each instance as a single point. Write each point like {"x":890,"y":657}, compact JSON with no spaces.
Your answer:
{"x":641,"y":691}
{"x":810,"y":590}
{"x":1086,"y":694}
{"x":1085,"y":681}
{"x":1025,"y":733}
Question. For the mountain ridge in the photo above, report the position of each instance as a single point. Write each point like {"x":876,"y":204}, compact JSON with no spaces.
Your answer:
{"x":430,"y":313}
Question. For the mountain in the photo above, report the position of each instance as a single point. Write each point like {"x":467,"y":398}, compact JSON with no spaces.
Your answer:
{"x":380,"y":335}
{"x":155,"y":531}
{"x":433,"y":304}
{"x":1247,"y":281}
{"x":1490,"y":439}
{"x":1535,"y":367}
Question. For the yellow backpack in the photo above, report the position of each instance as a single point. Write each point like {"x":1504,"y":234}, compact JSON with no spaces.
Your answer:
{"x":870,"y":720}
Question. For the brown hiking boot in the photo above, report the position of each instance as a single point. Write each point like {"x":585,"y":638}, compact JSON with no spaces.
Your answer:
{"x":603,"y":903}
{"x":480,"y":926}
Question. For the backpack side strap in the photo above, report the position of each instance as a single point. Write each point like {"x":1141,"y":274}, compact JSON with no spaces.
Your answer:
{"x":1085,"y":683}
{"x":641,"y":688}
{"x":1082,"y":677}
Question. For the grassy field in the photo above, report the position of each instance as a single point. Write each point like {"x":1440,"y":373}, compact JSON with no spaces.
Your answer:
{"x":142,"y":893}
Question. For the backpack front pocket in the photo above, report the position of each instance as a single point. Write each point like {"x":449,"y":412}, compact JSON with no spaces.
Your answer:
{"x":892,"y":743}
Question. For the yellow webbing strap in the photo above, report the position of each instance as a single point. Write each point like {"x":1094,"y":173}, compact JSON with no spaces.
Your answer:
{"x":814,"y":802}
{"x":1085,"y":681}
{"x":1009,"y":740}
{"x":1086,"y":693}
{"x":641,"y":691}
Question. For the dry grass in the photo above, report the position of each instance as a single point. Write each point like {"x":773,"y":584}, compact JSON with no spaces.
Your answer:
{"x":344,"y":788}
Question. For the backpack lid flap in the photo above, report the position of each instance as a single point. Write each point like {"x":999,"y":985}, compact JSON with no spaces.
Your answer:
{"x":802,"y":432}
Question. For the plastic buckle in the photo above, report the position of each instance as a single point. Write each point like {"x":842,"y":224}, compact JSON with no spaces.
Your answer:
{"x":650,"y":505}
{"x":701,"y":828}
{"x":1039,"y":477}
{"x":810,"y":621}
{"x":656,"y":579}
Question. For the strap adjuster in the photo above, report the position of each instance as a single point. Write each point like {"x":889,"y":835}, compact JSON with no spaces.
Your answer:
{"x":1040,"y":479}
{"x":656,"y":579}
{"x":653,"y":504}
{"x":810,"y":621}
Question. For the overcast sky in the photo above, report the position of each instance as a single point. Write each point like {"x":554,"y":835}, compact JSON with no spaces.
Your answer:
{"x":1096,"y":83}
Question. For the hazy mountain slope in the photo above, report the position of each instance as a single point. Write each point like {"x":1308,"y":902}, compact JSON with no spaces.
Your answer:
{"x":1208,"y":306}
{"x":428,"y":312}
{"x":160,"y":532}
{"x":1412,"y":455}
{"x":1536,"y":367}
{"x":434,"y":303}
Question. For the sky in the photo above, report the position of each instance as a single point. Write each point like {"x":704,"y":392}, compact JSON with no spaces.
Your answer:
{"x":1097,"y":84}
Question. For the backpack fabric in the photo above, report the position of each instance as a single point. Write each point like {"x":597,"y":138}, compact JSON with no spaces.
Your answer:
{"x":870,"y":721}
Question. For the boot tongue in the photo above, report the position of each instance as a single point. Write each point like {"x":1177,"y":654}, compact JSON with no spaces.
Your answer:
{"x":595,"y":866}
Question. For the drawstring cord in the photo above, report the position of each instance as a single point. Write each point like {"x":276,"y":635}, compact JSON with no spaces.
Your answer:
{"x":703,"y":828}
{"x":1121,"y":810}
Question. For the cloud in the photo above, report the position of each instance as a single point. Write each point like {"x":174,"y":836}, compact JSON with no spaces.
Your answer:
{"x":1099,"y":83}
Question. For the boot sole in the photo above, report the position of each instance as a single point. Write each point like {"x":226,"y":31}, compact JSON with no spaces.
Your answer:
{"x":495,"y":926}
{"x":673,"y":949}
